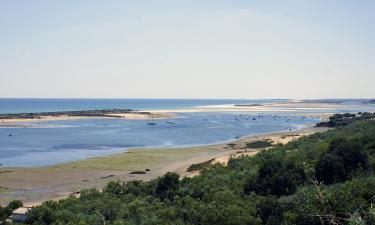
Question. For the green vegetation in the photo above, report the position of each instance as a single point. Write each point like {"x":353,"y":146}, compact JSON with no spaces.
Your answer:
{"x":347,"y":118}
{"x":277,"y":178}
{"x":342,"y":158}
{"x":199,"y":166}
{"x":137,"y":159}
{"x":138,"y":172}
{"x":324,"y":178}
{"x":232,"y":145}
{"x":258,"y":144}
{"x":88,"y":113}
{"x":247,"y":105}
{"x":7,"y":211}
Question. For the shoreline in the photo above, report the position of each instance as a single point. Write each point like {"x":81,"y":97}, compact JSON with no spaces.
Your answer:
{"x":318,"y":109}
{"x":16,"y":119}
{"x":34,"y":185}
{"x":151,"y":147}
{"x":134,"y":115}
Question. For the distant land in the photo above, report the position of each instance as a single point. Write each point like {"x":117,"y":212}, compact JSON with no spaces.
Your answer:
{"x":81,"y":113}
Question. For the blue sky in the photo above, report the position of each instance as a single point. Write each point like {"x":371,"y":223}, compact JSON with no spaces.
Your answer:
{"x":187,"y":49}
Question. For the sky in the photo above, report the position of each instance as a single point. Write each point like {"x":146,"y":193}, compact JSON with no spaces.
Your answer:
{"x":301,"y":49}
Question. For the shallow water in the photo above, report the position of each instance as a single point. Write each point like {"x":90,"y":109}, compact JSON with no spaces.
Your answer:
{"x":53,"y":142}
{"x":54,"y":105}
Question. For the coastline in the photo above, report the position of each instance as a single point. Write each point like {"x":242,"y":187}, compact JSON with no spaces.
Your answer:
{"x":34,"y":185}
{"x":286,"y":107}
{"x":135,"y":115}
{"x":318,"y":110}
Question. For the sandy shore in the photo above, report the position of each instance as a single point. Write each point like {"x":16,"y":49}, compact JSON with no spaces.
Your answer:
{"x":143,"y":116}
{"x":34,"y":185}
{"x":290,"y":106}
{"x":320,"y":111}
{"x":139,"y":115}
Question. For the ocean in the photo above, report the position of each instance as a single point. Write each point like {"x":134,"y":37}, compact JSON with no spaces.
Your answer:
{"x":22,"y":105}
{"x":52,"y":142}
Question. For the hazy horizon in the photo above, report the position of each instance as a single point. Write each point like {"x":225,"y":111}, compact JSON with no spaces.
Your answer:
{"x":181,"y":98}
{"x":187,"y":50}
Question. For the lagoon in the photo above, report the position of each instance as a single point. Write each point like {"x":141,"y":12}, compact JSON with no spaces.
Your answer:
{"x":51,"y":142}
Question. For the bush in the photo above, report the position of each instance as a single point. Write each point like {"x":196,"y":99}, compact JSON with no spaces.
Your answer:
{"x":269,"y":210}
{"x":276,"y":178}
{"x":330,"y":169}
{"x":258,"y":144}
{"x":167,"y":185}
{"x":138,"y":172}
{"x":351,"y":152}
{"x":15,"y":204}
{"x":114,"y":188}
{"x":343,"y":158}
{"x":7,"y":211}
{"x":199,"y":166}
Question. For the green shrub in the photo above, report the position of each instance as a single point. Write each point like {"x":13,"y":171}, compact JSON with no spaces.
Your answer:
{"x":258,"y":144}
{"x":138,"y":172}
{"x":199,"y":166}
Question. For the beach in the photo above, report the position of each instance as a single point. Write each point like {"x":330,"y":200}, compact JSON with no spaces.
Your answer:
{"x":187,"y":112}
{"x":317,"y":109}
{"x":136,"y":115}
{"x":35,"y":185}
{"x":292,"y":106}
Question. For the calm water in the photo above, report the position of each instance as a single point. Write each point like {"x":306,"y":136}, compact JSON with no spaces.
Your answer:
{"x":52,"y":142}
{"x":63,"y":141}
{"x":54,"y":105}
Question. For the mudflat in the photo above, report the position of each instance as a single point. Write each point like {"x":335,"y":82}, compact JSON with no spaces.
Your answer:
{"x":35,"y":185}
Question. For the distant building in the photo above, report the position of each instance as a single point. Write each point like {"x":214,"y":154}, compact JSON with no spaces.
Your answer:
{"x":19,"y":215}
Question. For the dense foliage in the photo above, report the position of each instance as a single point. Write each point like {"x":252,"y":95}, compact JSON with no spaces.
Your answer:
{"x":199,"y":166}
{"x":345,"y":119}
{"x":276,"y":178}
{"x":258,"y":144}
{"x":325,"y":178}
{"x":6,"y":211}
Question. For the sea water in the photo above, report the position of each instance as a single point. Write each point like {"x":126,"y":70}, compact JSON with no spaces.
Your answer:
{"x":52,"y":142}
{"x":20,"y":105}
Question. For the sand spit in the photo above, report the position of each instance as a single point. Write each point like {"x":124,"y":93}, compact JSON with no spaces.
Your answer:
{"x":136,"y":115}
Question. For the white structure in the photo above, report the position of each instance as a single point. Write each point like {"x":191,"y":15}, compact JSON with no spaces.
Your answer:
{"x":19,"y":215}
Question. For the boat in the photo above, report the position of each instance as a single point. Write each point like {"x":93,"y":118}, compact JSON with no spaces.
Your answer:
{"x":152,"y":121}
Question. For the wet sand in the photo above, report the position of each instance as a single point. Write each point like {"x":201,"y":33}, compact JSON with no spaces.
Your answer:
{"x":34,"y":185}
{"x":139,"y":115}
{"x":290,"y":106}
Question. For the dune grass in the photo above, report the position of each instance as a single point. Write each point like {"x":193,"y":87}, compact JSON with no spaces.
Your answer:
{"x":199,"y":166}
{"x":136,"y":159}
{"x":258,"y":144}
